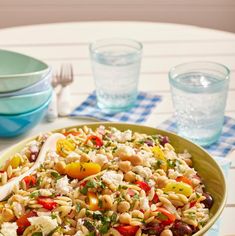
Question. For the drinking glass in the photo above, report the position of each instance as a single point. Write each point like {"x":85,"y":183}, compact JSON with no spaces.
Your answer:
{"x":199,"y":92}
{"x":116,"y":67}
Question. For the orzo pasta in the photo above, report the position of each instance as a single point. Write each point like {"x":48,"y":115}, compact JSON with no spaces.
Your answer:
{"x":104,"y":182}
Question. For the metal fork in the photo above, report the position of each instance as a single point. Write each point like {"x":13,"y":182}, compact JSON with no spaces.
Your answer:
{"x":65,"y":78}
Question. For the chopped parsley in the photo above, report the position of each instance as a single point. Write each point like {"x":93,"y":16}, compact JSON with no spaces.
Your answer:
{"x":78,"y":207}
{"x":56,"y":175}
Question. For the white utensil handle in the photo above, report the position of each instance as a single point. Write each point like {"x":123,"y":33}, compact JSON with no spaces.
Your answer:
{"x":52,"y":112}
{"x":64,"y":101}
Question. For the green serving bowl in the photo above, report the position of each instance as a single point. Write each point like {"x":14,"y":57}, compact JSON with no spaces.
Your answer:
{"x":23,"y":103}
{"x":18,"y":71}
{"x":204,"y":164}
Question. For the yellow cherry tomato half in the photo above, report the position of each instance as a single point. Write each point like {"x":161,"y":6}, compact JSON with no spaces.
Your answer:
{"x":179,"y":187}
{"x":93,"y":201}
{"x":81,"y":170}
{"x":64,"y":147}
{"x":15,"y":162}
{"x":159,"y":155}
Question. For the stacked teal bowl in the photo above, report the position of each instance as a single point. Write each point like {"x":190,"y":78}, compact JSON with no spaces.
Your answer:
{"x":25,"y":92}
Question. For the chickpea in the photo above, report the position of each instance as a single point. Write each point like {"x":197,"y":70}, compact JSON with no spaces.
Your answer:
{"x":123,"y":206}
{"x":60,"y":167}
{"x":166,"y":232}
{"x":161,"y":181}
{"x":130,"y":176}
{"x":107,"y":202}
{"x":107,"y":191}
{"x":125,"y":166}
{"x":125,"y":218}
{"x":136,"y":160}
{"x":7,"y":214}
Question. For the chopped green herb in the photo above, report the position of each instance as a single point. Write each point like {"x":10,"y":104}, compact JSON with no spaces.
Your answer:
{"x":89,"y":225}
{"x":97,"y":215}
{"x":53,"y":215}
{"x":34,"y":194}
{"x":136,"y":196}
{"x":90,"y":184}
{"x":171,"y":163}
{"x":104,"y":228}
{"x":113,"y":218}
{"x":88,"y":213}
{"x":56,"y":175}
{"x":84,"y":190}
{"x":78,"y":207}
{"x":161,"y":216}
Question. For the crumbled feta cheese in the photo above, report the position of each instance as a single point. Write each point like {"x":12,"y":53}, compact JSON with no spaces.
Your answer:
{"x":33,"y":146}
{"x":62,"y":185}
{"x":45,"y":192}
{"x":124,"y":150}
{"x":91,"y":154}
{"x":172,"y":174}
{"x":145,"y":172}
{"x":113,"y":177}
{"x":45,"y":223}
{"x":100,"y":159}
{"x":43,"y":213}
{"x":73,"y":154}
{"x":144,"y":203}
{"x":122,"y":137}
{"x":9,"y":229}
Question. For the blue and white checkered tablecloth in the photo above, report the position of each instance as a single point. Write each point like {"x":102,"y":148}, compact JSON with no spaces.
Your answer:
{"x":225,"y":143}
{"x":138,"y":114}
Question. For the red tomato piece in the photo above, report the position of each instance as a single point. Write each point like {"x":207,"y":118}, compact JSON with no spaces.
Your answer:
{"x":127,"y":230}
{"x":47,"y":203}
{"x":30,"y":181}
{"x":192,"y":204}
{"x":95,"y":140}
{"x":23,"y":222}
{"x":155,"y":199}
{"x":143,"y":185}
{"x":170,"y":218}
{"x":184,"y":179}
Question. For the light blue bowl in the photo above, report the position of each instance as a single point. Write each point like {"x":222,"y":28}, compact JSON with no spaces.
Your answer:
{"x":23,"y":103}
{"x":39,"y":86}
{"x":19,"y":71}
{"x":14,"y":125}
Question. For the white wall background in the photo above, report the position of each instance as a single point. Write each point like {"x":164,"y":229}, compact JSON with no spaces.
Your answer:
{"x":218,"y":14}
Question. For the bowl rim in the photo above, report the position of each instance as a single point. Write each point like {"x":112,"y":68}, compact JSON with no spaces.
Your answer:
{"x":49,"y":90}
{"x":211,"y":221}
{"x":44,"y":105}
{"x":44,"y":79}
{"x":28,"y":73}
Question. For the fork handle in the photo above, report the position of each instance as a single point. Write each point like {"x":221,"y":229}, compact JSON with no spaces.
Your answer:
{"x":52,"y":112}
{"x":64,"y":101}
